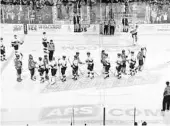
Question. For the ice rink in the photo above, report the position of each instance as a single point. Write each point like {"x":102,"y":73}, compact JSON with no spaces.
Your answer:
{"x":40,"y":104}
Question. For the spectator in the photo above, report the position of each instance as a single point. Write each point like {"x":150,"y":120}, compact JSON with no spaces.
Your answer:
{"x":112,"y":27}
{"x":125,"y":23}
{"x":106,"y":23}
{"x":165,"y":18}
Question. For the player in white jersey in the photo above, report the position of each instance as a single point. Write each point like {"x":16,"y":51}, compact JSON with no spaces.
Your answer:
{"x":119,"y":63}
{"x":41,"y":69}
{"x":3,"y":50}
{"x":16,"y":43}
{"x":45,"y":43}
{"x":134,"y":33}
{"x":132,"y":63}
{"x":53,"y":65}
{"x":63,"y":65}
{"x":90,"y":65}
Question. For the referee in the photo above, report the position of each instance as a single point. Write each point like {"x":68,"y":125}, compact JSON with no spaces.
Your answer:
{"x":166,"y":99}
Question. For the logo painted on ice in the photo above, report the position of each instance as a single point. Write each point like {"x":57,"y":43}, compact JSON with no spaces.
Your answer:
{"x":94,"y":113}
{"x":67,"y":111}
{"x":109,"y":48}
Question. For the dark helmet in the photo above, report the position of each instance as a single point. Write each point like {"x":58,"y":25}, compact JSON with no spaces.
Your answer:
{"x":132,"y":52}
{"x":30,"y":56}
{"x":51,"y":40}
{"x":88,"y":53}
{"x":118,"y":54}
{"x":64,"y":56}
{"x":103,"y":51}
{"x":15,"y":35}
{"x":44,"y":33}
{"x":40,"y":58}
{"x":1,"y":38}
{"x":123,"y":50}
{"x":77,"y":53}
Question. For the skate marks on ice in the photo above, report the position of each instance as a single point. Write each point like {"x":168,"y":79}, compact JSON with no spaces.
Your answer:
{"x":99,"y":82}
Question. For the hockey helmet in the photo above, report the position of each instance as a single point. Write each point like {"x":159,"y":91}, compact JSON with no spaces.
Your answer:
{"x":119,"y":54}
{"x":103,"y":51}
{"x":132,"y":52}
{"x":64,"y":56}
{"x":88,"y":53}
{"x":77,"y":53}
{"x":1,"y":38}
{"x":51,"y":41}
{"x":40,"y":58}
{"x":15,"y":35}
{"x":44,"y":33}
{"x":30,"y":56}
{"x":123,"y":51}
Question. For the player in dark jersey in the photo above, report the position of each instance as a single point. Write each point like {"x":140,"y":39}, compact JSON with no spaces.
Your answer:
{"x":46,"y":67}
{"x":3,"y":50}
{"x":45,"y":43}
{"x":18,"y":67}
{"x":103,"y":57}
{"x":124,"y":60}
{"x":31,"y":67}
{"x":41,"y":69}
{"x":141,"y":58}
{"x":75,"y":68}
{"x":119,"y":64}
{"x":107,"y":66}
{"x":132,"y":63}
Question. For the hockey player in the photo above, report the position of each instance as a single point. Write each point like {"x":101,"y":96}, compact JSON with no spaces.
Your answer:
{"x":75,"y":68}
{"x":79,"y":62}
{"x":119,"y":64}
{"x":16,"y":43}
{"x":103,"y":57}
{"x":124,"y":59}
{"x":46,"y":67}
{"x":134,"y":33}
{"x":41,"y":69}
{"x":53,"y":65}
{"x":3,"y":51}
{"x":45,"y":43}
{"x":132,"y":63}
{"x":31,"y":67}
{"x":107,"y":65}
{"x":90,"y":65}
{"x":141,"y":58}
{"x":63,"y":65}
{"x":18,"y":67}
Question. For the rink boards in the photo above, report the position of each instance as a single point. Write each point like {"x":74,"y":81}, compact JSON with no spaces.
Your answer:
{"x":92,"y":29}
